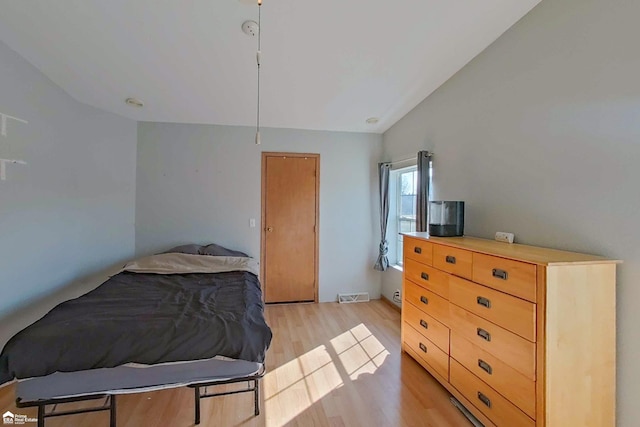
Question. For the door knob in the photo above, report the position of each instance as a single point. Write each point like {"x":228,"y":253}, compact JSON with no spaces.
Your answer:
{"x":269,"y":229}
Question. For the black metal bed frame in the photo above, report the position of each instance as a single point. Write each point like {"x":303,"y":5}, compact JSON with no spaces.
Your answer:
{"x":255,"y":389}
{"x":108,"y":405}
{"x":110,"y":399}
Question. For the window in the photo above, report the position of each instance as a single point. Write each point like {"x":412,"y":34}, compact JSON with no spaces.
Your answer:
{"x":405,"y":205}
{"x":403,"y":186}
{"x":402,"y":209}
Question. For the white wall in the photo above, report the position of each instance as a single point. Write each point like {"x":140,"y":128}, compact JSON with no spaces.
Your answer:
{"x":69,"y":213}
{"x":202,"y":183}
{"x":540,"y":135}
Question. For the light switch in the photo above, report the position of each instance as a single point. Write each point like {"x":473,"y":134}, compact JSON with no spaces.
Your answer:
{"x":252,"y":222}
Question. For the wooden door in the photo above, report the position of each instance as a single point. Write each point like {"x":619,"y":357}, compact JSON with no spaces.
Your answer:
{"x":290,"y":185}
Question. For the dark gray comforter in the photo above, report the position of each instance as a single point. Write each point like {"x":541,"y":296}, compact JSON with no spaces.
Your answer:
{"x":144,"y":318}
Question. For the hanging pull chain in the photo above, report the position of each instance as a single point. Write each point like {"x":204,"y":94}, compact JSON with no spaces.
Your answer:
{"x":258,"y":141}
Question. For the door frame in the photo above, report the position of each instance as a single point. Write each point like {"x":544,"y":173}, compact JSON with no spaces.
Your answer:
{"x":263,"y":231}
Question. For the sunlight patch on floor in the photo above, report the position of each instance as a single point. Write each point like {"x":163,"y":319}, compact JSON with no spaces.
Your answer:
{"x":298,"y":384}
{"x":295,"y":386}
{"x":359,"y":351}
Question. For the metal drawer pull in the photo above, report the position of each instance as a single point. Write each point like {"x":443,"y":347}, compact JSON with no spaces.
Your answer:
{"x":500,"y":274}
{"x":417,"y":250}
{"x":450,"y":259}
{"x":484,"y":399}
{"x":424,"y":300}
{"x":424,"y":276}
{"x":484,"y":334}
{"x":485,"y":366}
{"x":484,"y":302}
{"x":423,"y":347}
{"x":424,"y":324}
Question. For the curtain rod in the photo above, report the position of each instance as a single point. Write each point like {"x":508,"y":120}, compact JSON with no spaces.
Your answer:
{"x":407,"y":159}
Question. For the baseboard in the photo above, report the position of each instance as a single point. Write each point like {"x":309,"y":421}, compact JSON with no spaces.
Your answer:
{"x":387,"y":301}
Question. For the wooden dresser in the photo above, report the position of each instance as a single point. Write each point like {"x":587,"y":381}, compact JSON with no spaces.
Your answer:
{"x":520,"y":335}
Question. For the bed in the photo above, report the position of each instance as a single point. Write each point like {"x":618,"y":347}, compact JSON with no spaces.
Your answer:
{"x":182,"y":318}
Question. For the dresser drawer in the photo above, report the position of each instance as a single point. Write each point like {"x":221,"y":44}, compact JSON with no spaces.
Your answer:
{"x":513,"y":277}
{"x":427,"y":326}
{"x":453,"y":260}
{"x":487,"y":400}
{"x":512,"y":349}
{"x":519,"y":389}
{"x":513,"y":314}
{"x":437,"y":359}
{"x":432,"y":304}
{"x":427,"y":277}
{"x":418,"y":250}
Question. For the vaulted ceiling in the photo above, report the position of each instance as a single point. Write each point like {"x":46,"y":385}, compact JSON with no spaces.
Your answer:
{"x":327,"y":64}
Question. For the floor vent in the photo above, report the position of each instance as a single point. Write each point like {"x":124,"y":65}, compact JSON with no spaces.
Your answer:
{"x":354,"y":297}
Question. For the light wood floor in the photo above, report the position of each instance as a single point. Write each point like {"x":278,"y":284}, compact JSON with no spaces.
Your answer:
{"x":329,"y":365}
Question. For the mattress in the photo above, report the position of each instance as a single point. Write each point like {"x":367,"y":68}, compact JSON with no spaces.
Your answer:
{"x":145,"y":318}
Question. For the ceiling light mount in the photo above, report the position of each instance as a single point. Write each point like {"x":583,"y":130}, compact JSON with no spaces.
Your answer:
{"x":372,"y":120}
{"x":250,"y":28}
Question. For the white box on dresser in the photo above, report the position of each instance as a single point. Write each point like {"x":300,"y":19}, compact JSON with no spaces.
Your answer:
{"x":521,"y":335}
